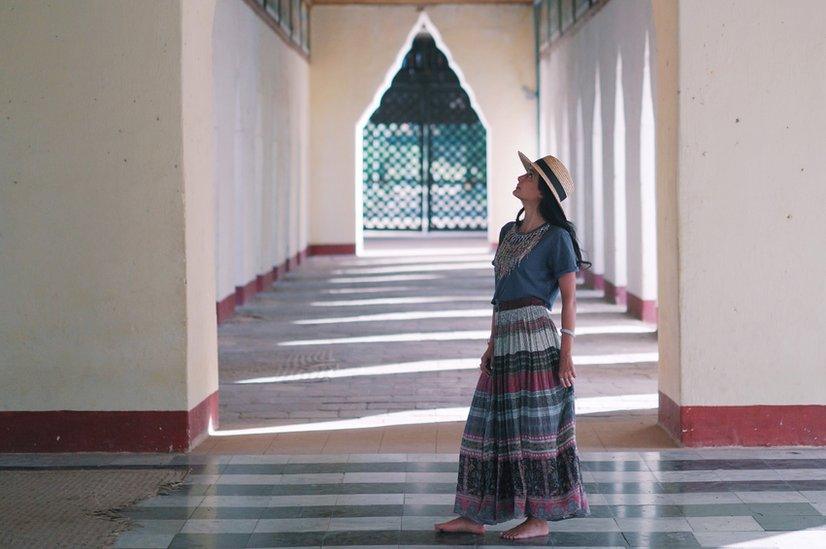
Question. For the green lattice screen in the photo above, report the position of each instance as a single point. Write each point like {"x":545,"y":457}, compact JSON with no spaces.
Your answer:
{"x":424,"y":150}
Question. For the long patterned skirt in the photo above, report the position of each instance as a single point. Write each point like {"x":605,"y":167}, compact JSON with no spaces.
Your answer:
{"x":518,"y":454}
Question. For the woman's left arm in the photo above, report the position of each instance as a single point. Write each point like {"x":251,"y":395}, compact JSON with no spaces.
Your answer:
{"x":567,"y":290}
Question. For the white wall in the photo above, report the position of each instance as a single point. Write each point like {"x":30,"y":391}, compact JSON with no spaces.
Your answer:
{"x":261,"y":105}
{"x":354,"y":47}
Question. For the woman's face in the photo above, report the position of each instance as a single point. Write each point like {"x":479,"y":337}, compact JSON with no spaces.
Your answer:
{"x":527,"y":187}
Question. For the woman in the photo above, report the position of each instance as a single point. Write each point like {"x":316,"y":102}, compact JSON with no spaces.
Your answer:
{"x":518,"y":455}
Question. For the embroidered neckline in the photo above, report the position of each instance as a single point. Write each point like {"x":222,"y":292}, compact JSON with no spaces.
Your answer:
{"x":514,"y":247}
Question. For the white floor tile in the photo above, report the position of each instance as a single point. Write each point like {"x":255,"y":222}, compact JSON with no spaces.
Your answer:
{"x":375,"y":477}
{"x":219,"y":526}
{"x":429,"y":499}
{"x":370,"y":499}
{"x":724,"y":524}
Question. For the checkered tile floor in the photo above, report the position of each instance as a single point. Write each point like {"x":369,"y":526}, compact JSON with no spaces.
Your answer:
{"x":675,"y":498}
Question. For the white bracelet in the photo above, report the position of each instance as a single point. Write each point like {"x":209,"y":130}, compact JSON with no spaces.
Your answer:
{"x":567,"y":331}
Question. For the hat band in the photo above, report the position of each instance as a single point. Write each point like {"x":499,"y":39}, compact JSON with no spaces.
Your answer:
{"x":549,"y":173}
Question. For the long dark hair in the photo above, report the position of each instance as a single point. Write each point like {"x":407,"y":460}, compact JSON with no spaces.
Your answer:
{"x":553,"y":213}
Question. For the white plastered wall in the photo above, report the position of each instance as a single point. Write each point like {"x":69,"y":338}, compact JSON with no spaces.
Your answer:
{"x":354,"y":47}
{"x":102,"y":201}
{"x":261,"y":106}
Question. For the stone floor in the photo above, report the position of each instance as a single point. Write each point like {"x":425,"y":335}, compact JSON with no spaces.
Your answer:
{"x":669,"y":498}
{"x":380,"y":353}
{"x":344,"y":392}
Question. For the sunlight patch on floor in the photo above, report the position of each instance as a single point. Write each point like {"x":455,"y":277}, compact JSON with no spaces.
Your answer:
{"x":584,"y":406}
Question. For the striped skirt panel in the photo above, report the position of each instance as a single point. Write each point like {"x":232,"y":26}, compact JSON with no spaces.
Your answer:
{"x":518,"y":454}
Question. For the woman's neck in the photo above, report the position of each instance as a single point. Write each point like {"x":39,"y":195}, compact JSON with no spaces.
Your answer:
{"x":532,"y":220}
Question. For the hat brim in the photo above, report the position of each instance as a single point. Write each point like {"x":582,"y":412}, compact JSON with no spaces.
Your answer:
{"x":526,"y":162}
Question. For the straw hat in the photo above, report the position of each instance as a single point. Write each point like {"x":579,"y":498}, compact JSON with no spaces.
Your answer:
{"x":553,"y":172}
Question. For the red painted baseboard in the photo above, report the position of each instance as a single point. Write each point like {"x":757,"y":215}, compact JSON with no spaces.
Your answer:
{"x":331,"y":249}
{"x":225,"y":308}
{"x":668,"y":416}
{"x":754,"y":425}
{"x":263,"y":281}
{"x":107,"y":431}
{"x":644,"y":309}
{"x":245,"y":292}
{"x":595,"y":281}
{"x":199,"y":418}
{"x":614,"y":294}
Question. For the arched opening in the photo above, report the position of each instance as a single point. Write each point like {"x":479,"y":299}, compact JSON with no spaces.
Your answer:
{"x":422,"y":148}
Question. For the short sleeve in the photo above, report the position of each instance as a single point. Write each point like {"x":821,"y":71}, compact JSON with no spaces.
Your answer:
{"x":561,"y":256}
{"x":502,"y":232}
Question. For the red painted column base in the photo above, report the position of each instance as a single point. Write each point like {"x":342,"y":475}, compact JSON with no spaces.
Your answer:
{"x":225,"y":308}
{"x":331,"y":249}
{"x":107,"y":431}
{"x":593,"y":281}
{"x":614,"y":294}
{"x":643,"y":309}
{"x":244,"y":293}
{"x":754,"y":425}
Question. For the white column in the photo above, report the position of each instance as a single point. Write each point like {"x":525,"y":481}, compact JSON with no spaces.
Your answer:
{"x":647,"y":207}
{"x":616,"y":234}
{"x":639,"y":180}
{"x":597,"y":207}
{"x":578,"y":169}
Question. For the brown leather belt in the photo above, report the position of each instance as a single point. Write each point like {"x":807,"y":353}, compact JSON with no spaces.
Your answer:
{"x":518,"y":302}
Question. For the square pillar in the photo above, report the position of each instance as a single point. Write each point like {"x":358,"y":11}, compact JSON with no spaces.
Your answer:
{"x":740,"y":197}
{"x":107,"y":315}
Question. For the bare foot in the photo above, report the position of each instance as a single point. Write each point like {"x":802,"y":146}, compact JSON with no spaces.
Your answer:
{"x":532,"y":527}
{"x":461,"y":524}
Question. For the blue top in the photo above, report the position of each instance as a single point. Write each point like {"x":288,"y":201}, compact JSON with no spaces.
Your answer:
{"x":538,"y":272}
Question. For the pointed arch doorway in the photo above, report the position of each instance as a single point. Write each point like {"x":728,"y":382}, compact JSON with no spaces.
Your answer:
{"x":424,"y":151}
